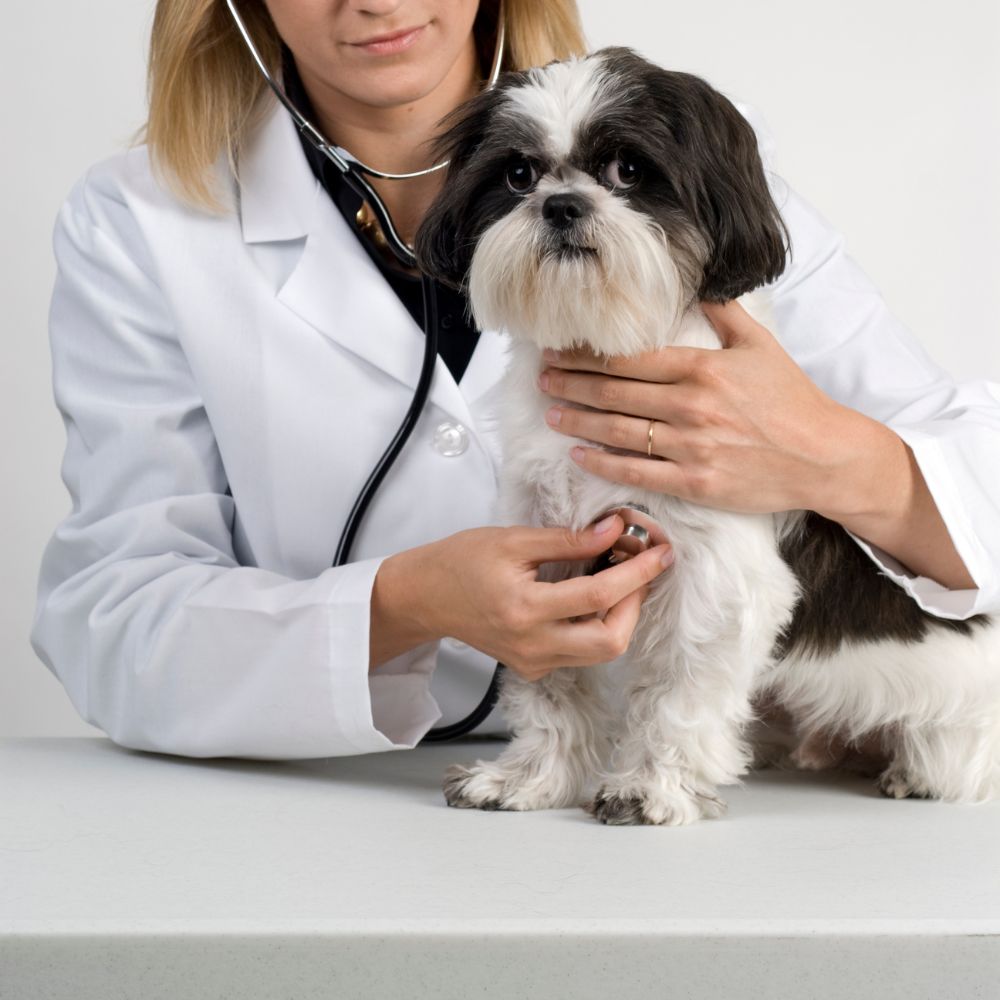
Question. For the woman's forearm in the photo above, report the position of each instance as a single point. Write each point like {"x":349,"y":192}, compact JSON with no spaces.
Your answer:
{"x":396,"y":624}
{"x":880,"y":494}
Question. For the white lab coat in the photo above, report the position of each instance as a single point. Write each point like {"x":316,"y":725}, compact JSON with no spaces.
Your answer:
{"x":260,"y":351}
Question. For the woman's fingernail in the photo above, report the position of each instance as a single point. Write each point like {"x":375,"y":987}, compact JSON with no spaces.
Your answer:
{"x":576,"y":454}
{"x":543,"y":381}
{"x":550,"y":355}
{"x":553,"y":415}
{"x":667,"y":557}
{"x":604,"y":525}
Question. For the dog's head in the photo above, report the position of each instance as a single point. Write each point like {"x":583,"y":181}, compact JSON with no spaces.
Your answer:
{"x":593,"y":201}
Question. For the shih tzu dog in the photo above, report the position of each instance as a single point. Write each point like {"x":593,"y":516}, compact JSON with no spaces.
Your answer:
{"x":595,"y":202}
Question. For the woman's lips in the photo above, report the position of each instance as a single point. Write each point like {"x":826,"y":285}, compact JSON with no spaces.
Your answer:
{"x":390,"y":44}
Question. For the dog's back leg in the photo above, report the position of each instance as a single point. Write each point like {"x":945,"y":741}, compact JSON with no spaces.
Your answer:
{"x":958,"y":763}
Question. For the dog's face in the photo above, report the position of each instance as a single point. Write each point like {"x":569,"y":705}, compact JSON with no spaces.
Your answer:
{"x":593,"y":201}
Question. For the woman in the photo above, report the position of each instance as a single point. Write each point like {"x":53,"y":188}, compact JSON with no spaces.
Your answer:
{"x":232,"y":352}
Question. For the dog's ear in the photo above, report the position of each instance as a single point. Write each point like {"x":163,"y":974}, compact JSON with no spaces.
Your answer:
{"x":720,"y":177}
{"x":446,"y":238}
{"x":733,"y":199}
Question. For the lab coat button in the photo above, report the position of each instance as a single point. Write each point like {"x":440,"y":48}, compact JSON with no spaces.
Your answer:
{"x":450,"y":439}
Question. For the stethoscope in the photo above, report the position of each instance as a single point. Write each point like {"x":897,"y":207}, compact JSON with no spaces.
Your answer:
{"x":640,"y":532}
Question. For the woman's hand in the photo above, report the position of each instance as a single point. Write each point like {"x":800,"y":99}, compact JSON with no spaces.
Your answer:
{"x":745,"y":429}
{"x":481,"y":586}
{"x":741,"y":428}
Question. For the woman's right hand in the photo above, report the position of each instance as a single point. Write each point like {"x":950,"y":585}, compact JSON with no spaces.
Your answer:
{"x":481,"y":586}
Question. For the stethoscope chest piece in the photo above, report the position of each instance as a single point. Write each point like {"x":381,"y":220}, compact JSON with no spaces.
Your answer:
{"x":641,"y":532}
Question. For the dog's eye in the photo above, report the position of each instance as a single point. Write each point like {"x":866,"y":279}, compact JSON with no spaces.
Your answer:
{"x":521,"y":175}
{"x":621,"y":173}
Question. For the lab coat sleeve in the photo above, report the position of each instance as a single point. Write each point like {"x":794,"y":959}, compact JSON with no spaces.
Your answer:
{"x":832,"y":320}
{"x":143,"y":613}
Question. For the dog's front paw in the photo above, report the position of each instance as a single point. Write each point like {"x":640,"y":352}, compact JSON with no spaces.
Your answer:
{"x":472,"y":788}
{"x":497,"y":785}
{"x":635,"y":807}
{"x":895,"y":783}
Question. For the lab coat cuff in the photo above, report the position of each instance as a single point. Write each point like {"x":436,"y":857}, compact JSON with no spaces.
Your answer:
{"x":392,"y":708}
{"x":928,"y":594}
{"x":403,"y":709}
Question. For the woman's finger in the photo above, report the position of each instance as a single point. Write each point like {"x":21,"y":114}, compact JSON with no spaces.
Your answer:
{"x":617,"y":430}
{"x":605,"y":392}
{"x":657,"y":474}
{"x":539,"y":545}
{"x":667,"y":364}
{"x":582,"y":644}
{"x":583,"y":595}
{"x":621,"y":618}
{"x":596,"y":640}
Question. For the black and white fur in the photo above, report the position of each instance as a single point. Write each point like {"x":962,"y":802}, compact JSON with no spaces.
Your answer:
{"x":553,"y":246}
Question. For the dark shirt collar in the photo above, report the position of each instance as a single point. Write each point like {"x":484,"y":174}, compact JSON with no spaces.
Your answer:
{"x":457,"y":335}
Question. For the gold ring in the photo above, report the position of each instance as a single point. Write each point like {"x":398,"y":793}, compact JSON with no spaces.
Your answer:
{"x":649,"y":443}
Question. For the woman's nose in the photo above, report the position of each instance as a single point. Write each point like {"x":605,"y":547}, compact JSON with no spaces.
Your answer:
{"x":379,"y":8}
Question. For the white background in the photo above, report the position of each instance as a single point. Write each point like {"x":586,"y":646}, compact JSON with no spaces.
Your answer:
{"x":886,"y":115}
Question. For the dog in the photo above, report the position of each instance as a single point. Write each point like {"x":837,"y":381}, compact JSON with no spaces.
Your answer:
{"x":595,"y":202}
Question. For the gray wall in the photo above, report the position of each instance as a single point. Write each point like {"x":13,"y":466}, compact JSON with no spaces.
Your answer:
{"x":886,"y":115}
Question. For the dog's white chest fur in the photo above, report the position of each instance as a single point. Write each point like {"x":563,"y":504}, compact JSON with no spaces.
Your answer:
{"x":540,"y":483}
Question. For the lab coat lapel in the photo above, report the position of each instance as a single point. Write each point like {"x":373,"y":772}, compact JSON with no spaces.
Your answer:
{"x":334,"y":285}
{"x":485,"y":367}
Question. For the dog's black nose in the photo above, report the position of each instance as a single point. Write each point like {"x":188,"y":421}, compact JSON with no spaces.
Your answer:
{"x":562,"y":210}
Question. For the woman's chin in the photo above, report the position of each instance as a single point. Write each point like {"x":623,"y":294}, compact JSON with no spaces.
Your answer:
{"x":391,"y":86}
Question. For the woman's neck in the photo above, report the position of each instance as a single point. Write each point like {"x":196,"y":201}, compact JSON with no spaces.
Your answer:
{"x":395,"y":139}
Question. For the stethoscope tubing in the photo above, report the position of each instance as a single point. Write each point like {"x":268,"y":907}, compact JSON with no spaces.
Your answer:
{"x":352,"y":172}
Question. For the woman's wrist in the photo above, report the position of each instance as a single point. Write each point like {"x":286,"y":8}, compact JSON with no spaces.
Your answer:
{"x":867,"y":476}
{"x":400,"y":619}
{"x":875,"y":489}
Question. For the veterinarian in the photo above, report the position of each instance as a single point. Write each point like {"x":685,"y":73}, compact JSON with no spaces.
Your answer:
{"x":233,"y":347}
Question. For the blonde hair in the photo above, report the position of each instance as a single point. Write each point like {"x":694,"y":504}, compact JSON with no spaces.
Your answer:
{"x":205,"y":91}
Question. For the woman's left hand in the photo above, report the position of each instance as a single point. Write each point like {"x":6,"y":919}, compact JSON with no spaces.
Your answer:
{"x":742,"y":428}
